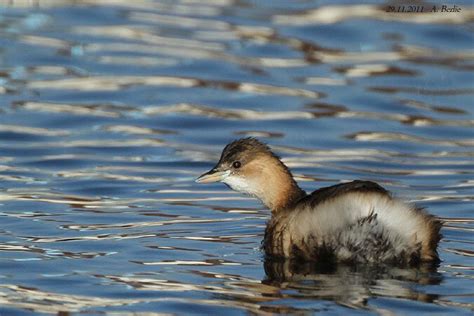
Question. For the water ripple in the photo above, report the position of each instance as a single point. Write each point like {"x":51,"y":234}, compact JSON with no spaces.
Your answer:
{"x":111,"y":108}
{"x":378,"y":136}
{"x":77,"y":109}
{"x":32,"y":130}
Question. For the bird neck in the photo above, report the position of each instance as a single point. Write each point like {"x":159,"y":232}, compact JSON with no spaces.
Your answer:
{"x":278,"y":190}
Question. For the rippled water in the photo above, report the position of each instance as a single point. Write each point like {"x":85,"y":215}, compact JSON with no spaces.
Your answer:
{"x":110,"y":109}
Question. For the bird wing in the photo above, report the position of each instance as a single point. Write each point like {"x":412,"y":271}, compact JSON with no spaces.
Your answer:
{"x":327,"y":193}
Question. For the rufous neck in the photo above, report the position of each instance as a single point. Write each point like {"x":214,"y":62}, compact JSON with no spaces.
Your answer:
{"x":279,"y":191}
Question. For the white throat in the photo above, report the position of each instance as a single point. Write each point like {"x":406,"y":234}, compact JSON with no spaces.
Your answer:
{"x":240,"y":184}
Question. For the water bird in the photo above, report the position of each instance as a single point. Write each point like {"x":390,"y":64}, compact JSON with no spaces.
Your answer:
{"x":358,"y":221}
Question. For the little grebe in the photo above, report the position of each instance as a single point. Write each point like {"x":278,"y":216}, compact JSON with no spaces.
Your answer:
{"x":357,"y":221}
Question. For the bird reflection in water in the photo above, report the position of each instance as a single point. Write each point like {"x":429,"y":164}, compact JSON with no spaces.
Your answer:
{"x":350,"y":285}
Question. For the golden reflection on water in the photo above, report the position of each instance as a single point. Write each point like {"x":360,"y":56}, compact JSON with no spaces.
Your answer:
{"x":345,"y":286}
{"x":125,"y":226}
{"x":312,"y":111}
{"x":379,"y":136}
{"x":110,"y":83}
{"x":76,"y":109}
{"x":117,"y":83}
{"x":200,"y":110}
{"x":45,"y":41}
{"x":32,"y":130}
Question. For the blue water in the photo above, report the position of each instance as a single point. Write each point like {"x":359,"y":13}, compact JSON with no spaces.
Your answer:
{"x":109,"y":111}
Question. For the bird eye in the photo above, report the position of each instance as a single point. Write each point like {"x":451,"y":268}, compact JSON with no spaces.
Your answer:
{"x":236,"y":164}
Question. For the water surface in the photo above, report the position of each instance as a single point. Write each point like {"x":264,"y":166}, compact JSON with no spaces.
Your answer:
{"x":110,"y":109}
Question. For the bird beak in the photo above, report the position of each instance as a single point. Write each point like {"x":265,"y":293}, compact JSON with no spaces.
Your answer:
{"x":212,"y":176}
